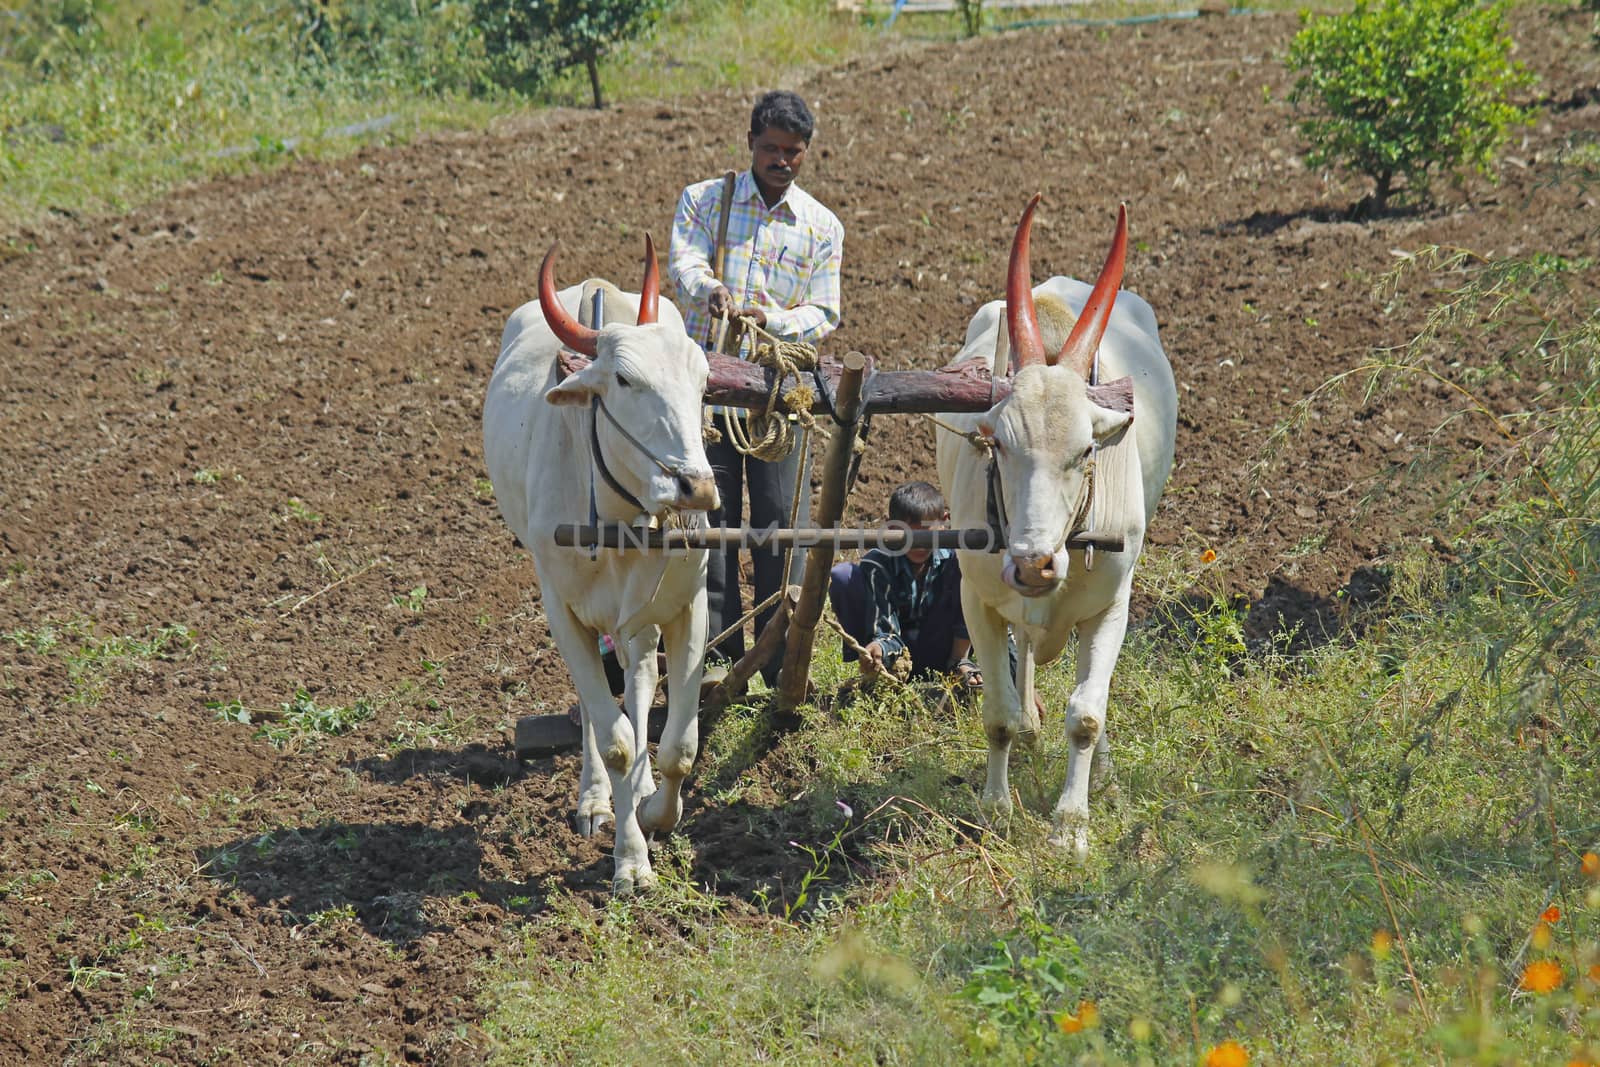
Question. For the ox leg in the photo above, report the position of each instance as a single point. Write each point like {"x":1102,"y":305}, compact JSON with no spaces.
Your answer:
{"x":576,"y":642}
{"x":1099,"y":643}
{"x":1002,"y":708}
{"x":680,"y":740}
{"x":639,"y":663}
{"x":622,"y":741}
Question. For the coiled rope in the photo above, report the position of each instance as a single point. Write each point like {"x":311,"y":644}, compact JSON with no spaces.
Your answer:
{"x":769,"y":435}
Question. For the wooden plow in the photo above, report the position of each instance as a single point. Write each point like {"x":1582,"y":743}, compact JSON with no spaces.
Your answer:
{"x":846,"y":390}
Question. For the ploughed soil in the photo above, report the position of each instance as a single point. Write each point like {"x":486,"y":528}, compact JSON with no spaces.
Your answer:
{"x":240,"y":461}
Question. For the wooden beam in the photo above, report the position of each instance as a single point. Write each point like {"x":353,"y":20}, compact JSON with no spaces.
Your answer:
{"x":964,"y":387}
{"x":819,"y":562}
{"x":766,"y":646}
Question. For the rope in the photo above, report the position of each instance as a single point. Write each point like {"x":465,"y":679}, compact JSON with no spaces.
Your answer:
{"x":746,"y":617}
{"x":768,"y":435}
{"x":973,"y":437}
{"x":899,"y":674}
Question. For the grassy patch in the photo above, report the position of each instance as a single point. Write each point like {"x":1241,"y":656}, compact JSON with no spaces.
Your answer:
{"x":91,"y":659}
{"x":1341,"y":857}
{"x":297,"y":722}
{"x":103,"y":106}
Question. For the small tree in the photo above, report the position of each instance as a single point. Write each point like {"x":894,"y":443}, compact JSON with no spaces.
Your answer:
{"x":971,"y":16}
{"x":528,"y":40}
{"x":1400,"y":89}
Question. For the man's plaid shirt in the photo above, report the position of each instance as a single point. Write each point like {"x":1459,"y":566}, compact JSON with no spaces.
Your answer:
{"x":784,"y":259}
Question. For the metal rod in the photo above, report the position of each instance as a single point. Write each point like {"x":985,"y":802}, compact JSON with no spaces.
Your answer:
{"x":616,"y":535}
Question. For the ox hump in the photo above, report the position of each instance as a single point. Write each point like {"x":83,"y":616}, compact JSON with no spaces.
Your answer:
{"x":1056,"y":320}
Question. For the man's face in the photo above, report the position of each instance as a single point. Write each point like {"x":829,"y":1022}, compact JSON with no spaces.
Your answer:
{"x":776,"y":156}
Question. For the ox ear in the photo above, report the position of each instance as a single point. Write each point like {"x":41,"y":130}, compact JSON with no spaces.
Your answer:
{"x":575,"y":389}
{"x":1107,"y":422}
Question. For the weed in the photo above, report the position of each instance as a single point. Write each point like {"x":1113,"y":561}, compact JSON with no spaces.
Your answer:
{"x":301,"y":720}
{"x":1026,"y":981}
{"x":86,"y":976}
{"x":413,"y":600}
{"x":297,"y":510}
{"x":341,"y":913}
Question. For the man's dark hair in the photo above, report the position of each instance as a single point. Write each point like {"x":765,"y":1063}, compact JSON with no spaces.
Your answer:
{"x":786,"y":111}
{"x":916,"y":502}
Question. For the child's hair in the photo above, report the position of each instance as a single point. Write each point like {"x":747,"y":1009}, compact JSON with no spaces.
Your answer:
{"x":916,"y":502}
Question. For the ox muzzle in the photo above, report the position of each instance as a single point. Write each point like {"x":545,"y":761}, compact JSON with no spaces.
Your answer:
{"x":696,"y":491}
{"x":1034,"y":573}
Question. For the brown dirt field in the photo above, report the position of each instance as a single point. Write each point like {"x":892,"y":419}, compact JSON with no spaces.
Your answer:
{"x":324,"y":335}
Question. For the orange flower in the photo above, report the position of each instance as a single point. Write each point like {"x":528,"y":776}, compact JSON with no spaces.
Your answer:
{"x":1208,"y":556}
{"x":1542,"y":976}
{"x":1087,"y":1018}
{"x":1594,"y":973}
{"x":1541,"y":936}
{"x":1382,"y":944}
{"x":1228,"y":1054}
{"x":1590,"y":865}
{"x":1552,"y":914}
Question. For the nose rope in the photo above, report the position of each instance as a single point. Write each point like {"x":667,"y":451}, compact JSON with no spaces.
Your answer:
{"x":1000,"y":523}
{"x":600,"y":406}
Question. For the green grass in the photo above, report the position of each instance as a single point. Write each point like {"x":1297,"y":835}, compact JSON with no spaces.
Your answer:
{"x":1274,"y":815}
{"x":101,"y":114}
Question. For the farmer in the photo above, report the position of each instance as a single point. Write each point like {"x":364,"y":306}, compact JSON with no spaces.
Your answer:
{"x":780,"y":271}
{"x":906,"y":603}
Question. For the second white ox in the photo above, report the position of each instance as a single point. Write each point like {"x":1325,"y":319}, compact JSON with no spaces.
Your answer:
{"x":621,"y":439}
{"x":1043,"y":438}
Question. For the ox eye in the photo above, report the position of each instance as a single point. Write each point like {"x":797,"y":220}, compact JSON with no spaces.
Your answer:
{"x":623,"y":381}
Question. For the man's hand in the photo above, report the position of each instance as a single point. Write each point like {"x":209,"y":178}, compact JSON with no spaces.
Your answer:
{"x":720,"y":303}
{"x":755,"y":313}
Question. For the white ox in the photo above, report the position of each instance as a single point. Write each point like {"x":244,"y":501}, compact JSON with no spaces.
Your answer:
{"x":624,"y":433}
{"x":1044,"y":436}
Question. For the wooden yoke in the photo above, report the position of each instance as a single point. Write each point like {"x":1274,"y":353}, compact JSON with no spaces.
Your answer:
{"x":964,"y":387}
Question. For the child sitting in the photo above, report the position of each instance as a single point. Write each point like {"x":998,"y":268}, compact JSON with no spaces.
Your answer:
{"x":898,"y":603}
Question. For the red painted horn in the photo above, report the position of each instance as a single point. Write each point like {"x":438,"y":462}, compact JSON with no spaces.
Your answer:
{"x":1022,"y":321}
{"x":568,"y":330}
{"x":1086,"y":333}
{"x":650,"y":292}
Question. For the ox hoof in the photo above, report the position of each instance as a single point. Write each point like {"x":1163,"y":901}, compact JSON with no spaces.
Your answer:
{"x":633,"y":878}
{"x":996,"y":806}
{"x":661,"y":812}
{"x":590,"y":825}
{"x":593,"y":813}
{"x":1072,"y":837}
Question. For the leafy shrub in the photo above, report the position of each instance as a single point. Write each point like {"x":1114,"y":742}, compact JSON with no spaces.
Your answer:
{"x":1024,"y":990}
{"x":1402,"y":89}
{"x":428,"y":46}
{"x":529,"y":40}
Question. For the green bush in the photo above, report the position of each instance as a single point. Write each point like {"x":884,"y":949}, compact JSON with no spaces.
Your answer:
{"x":527,"y":41}
{"x":425,"y":46}
{"x":1404,"y":89}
